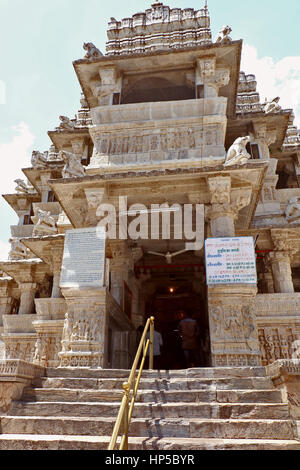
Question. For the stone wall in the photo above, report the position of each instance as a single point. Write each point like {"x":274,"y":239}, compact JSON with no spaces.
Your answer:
{"x":278,"y":323}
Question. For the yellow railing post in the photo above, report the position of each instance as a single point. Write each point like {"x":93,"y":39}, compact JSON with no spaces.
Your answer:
{"x":127,"y":404}
{"x":151,"y":343}
{"x":125,"y":423}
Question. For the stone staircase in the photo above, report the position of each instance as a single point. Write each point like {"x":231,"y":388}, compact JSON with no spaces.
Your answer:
{"x":195,"y":409}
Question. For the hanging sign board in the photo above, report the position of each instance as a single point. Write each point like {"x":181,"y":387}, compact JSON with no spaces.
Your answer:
{"x":83,"y":262}
{"x":230,"y":261}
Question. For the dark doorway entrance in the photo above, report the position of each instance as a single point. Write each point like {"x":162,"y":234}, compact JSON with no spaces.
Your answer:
{"x":167,"y":305}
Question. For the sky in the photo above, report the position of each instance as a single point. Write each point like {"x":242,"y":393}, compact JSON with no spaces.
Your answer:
{"x":39,"y":39}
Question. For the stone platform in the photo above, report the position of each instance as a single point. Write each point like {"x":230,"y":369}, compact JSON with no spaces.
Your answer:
{"x":217,"y":408}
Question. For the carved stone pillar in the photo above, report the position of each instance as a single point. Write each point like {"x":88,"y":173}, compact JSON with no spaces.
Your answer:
{"x":28,"y":290}
{"x":44,"y":187}
{"x":225,"y":206}
{"x":280,"y":262}
{"x":5,"y":298}
{"x":120,"y":265}
{"x":212,"y":78}
{"x":233,"y":329}
{"x":285,"y":246}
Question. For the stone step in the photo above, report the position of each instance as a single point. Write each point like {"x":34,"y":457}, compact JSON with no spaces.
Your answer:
{"x":214,"y":372}
{"x":159,"y":428}
{"x":164,"y":396}
{"x":179,"y":410}
{"x":179,"y":383}
{"x":52,"y":442}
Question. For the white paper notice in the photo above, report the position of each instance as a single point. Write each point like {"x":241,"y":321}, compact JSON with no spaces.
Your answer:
{"x":230,"y":261}
{"x":84,"y":258}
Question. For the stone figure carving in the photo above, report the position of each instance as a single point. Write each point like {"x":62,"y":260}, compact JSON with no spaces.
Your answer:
{"x":66,"y":123}
{"x":39,"y":160}
{"x":237,"y":153}
{"x":92,"y":51}
{"x":169,"y":256}
{"x":223,"y":35}
{"x":73,"y":167}
{"x":45,"y":223}
{"x":272,"y":106}
{"x":24,"y":188}
{"x":292,"y":211}
{"x":18,"y":250}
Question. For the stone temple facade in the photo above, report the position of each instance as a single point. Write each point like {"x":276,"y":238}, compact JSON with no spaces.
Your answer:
{"x":167,"y":117}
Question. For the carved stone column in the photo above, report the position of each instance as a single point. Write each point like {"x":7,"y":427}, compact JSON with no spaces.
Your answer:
{"x":280,"y":262}
{"x":225,"y":206}
{"x":5,"y":297}
{"x":120,"y":265}
{"x":233,"y":329}
{"x":28,"y":290}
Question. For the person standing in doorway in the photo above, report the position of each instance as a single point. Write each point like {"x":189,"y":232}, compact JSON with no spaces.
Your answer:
{"x":189,"y":331}
{"x":157,"y":346}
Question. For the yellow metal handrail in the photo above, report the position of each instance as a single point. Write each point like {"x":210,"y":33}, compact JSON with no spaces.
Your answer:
{"x":124,"y":416}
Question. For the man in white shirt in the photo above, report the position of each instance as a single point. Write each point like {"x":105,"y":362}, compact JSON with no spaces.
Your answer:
{"x":157,"y":345}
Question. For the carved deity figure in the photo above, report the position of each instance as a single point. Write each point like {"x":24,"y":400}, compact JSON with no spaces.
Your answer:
{"x":272,"y":106}
{"x":24,"y":188}
{"x":45,"y":223}
{"x":237,"y":153}
{"x":292,"y":211}
{"x":92,"y":51}
{"x":223,"y":36}
{"x":39,"y":160}
{"x":73,"y":167}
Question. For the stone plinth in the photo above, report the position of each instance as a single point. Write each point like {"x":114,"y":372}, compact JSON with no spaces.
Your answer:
{"x":19,"y":337}
{"x":14,"y":376}
{"x":85,"y":332}
{"x":286,"y":377}
{"x":49,"y":327}
{"x":233,"y":330}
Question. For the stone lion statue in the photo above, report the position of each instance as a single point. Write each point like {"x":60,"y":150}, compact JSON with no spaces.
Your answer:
{"x":66,"y":123}
{"x":45,"y":223}
{"x":237,"y":153}
{"x":92,"y":51}
{"x":23,"y":188}
{"x":293,"y":209}
{"x":272,"y":106}
{"x":18,"y":250}
{"x":39,"y":160}
{"x":73,"y":167}
{"x":223,"y":35}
